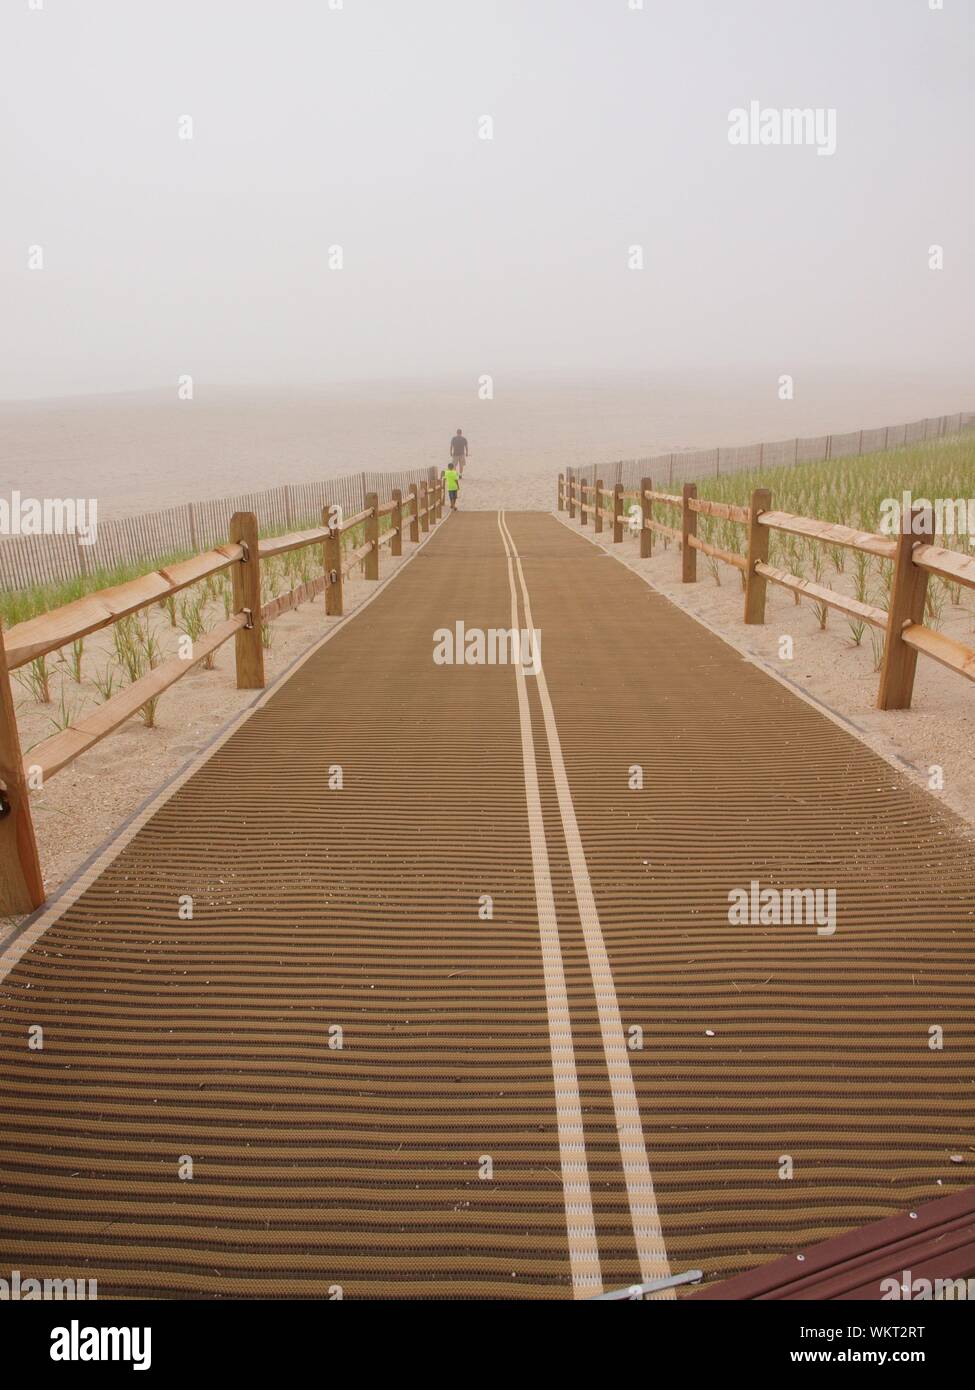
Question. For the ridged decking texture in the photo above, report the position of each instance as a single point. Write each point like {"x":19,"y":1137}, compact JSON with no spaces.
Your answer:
{"x":317,"y":1167}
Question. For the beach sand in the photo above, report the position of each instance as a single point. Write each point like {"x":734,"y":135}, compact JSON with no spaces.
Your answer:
{"x":145,"y":450}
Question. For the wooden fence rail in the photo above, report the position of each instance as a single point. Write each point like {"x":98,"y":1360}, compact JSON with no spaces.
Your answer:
{"x":150,"y":538}
{"x":912,"y":553}
{"x":21,"y":880}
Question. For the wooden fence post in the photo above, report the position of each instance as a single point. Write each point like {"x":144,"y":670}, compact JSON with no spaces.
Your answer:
{"x":583,"y":505}
{"x":333,"y":561}
{"x":425,"y":506}
{"x":21,"y":881}
{"x":617,"y":513}
{"x":415,"y":514}
{"x":370,"y":566}
{"x":572,"y":494}
{"x":246,"y":576}
{"x":396,"y":545}
{"x":688,"y":528}
{"x":288,"y":515}
{"x":597,"y":513}
{"x":646,"y":514}
{"x":756,"y":584}
{"x":908,"y":591}
{"x":194,"y":538}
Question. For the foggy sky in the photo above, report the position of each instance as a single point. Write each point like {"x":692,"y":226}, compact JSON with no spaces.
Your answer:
{"x":358,"y":127}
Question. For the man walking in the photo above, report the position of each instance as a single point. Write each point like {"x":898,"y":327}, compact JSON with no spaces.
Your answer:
{"x":458,"y":451}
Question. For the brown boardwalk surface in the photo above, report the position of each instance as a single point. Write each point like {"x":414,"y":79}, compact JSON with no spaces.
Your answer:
{"x":357,"y":908}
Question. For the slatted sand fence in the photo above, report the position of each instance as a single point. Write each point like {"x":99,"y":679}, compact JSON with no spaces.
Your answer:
{"x":179,"y":531}
{"x":692,"y":465}
{"x":387,"y":1090}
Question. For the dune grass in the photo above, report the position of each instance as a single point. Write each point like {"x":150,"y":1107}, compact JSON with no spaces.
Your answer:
{"x":66,"y":681}
{"x":17,"y":606}
{"x":850,"y":491}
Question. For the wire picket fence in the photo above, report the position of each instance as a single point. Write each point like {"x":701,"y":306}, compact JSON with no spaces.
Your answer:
{"x":143,"y":540}
{"x":687,"y":467}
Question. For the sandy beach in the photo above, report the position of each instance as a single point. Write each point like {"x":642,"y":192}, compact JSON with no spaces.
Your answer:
{"x":143,"y":450}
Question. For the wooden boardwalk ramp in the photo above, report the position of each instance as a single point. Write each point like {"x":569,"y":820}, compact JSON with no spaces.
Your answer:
{"x":475,"y":1022}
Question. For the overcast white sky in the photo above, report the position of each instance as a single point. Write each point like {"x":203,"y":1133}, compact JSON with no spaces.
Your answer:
{"x":358,"y":126}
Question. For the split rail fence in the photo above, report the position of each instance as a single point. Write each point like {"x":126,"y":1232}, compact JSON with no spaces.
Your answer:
{"x":29,"y":560}
{"x":383,"y":524}
{"x":913,"y":555}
